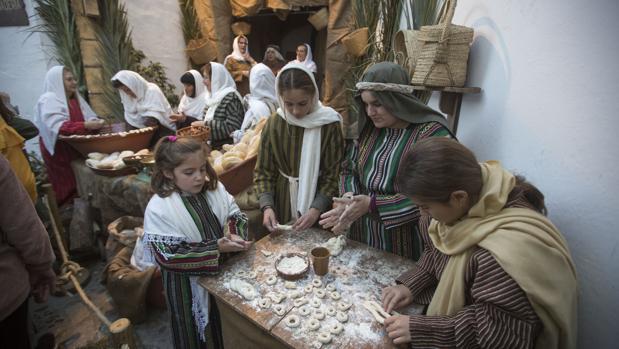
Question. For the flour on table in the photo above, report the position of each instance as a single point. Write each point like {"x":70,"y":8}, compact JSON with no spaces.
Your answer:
{"x":243,"y":288}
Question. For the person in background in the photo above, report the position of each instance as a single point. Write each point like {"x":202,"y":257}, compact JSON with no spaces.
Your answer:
{"x":144,"y":103}
{"x":261,"y":102}
{"x":391,"y":121}
{"x":273,"y":59}
{"x":193,"y":102}
{"x":495,"y":271}
{"x":225,"y":110}
{"x":23,"y":126}
{"x":26,"y":259}
{"x":62,"y":111}
{"x":304,"y":56}
{"x":239,"y":63}
{"x":11,"y":146}
{"x":300,"y":149}
{"x":188,"y":224}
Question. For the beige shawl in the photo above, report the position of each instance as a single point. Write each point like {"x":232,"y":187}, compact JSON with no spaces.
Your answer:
{"x":525,"y":244}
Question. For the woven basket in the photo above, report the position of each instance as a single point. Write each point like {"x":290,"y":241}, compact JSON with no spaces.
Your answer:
{"x":319,"y":19}
{"x":241,"y":28}
{"x":356,"y":43}
{"x":444,"y":53}
{"x":200,"y":51}
{"x":405,"y":44}
{"x":200,"y":133}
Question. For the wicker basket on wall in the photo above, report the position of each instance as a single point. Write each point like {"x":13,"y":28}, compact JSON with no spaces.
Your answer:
{"x":241,"y":28}
{"x":200,"y":51}
{"x":356,"y":43}
{"x":319,"y":19}
{"x":443,"y":52}
{"x":405,"y":44}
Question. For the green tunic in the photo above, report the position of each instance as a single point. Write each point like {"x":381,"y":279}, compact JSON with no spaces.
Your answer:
{"x":280,"y":150}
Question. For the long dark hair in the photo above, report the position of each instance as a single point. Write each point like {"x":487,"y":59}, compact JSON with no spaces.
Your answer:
{"x":170,"y":152}
{"x":295,"y":79}
{"x":436,"y":167}
{"x":6,"y":113}
{"x":188,"y":79}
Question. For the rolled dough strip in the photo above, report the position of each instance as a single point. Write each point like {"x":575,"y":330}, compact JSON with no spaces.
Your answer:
{"x":374,"y":313}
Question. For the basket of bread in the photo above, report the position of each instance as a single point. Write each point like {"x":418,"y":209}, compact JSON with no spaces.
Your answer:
{"x":114,"y":164}
{"x":108,"y":143}
{"x":200,"y":133}
{"x":235,"y":163}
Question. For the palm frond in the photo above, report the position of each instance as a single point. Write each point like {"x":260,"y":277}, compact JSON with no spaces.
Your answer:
{"x":190,"y":23}
{"x":58,"y":24}
{"x":114,"y":50}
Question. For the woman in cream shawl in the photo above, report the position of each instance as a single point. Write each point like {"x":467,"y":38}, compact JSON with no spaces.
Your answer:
{"x":495,"y":271}
{"x":62,"y":111}
{"x":239,"y":63}
{"x":304,"y":56}
{"x":144,"y":103}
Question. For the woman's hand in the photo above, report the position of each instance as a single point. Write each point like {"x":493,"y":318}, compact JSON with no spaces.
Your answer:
{"x":330,"y":218}
{"x":245,"y":73}
{"x":355,"y":209}
{"x":42,"y":283}
{"x":398,"y":329}
{"x":307,"y":220}
{"x":94,"y":124}
{"x":198,"y":123}
{"x":178,"y":117}
{"x":236,"y":238}
{"x":395,"y":297}
{"x":269,"y":220}
{"x":227,"y":245}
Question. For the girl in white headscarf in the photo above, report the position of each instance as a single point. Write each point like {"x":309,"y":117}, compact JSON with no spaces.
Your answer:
{"x":239,"y":63}
{"x":193,"y":102}
{"x":145,"y":105}
{"x":304,"y":56}
{"x":261,"y":102}
{"x":62,"y":111}
{"x":225,"y":110}
{"x":300,"y":150}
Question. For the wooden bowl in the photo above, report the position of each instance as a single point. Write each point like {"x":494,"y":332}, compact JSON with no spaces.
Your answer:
{"x":114,"y":173}
{"x":289,"y":276}
{"x":107,"y":143}
{"x":136,"y":160}
{"x":201,"y":133}
{"x":239,"y":177}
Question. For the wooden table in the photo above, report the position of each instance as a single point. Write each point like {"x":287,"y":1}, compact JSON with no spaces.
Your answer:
{"x":358,"y":273}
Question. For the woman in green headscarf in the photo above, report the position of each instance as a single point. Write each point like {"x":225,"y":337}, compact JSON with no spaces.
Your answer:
{"x":391,"y":121}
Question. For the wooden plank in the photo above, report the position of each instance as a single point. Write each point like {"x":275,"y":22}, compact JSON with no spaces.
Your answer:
{"x":85,"y":27}
{"x":90,"y":53}
{"x":91,"y":8}
{"x":358,"y":273}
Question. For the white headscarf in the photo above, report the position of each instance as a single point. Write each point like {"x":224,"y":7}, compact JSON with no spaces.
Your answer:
{"x":262,"y":95}
{"x":308,"y":62}
{"x":236,"y":51}
{"x":194,"y":106}
{"x":52,"y":108}
{"x":309,"y":167}
{"x":221,"y":85}
{"x":149,"y":101}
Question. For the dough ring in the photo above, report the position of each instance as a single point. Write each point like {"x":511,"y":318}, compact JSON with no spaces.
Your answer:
{"x":313,"y":324}
{"x":292,"y":321}
{"x":264,"y":303}
{"x":330,"y":287}
{"x":261,"y":269}
{"x":341,"y":316}
{"x":266,"y":253}
{"x":335,"y":295}
{"x":271,"y":280}
{"x":252,"y":274}
{"x":279,"y":309}
{"x":321,"y":293}
{"x":343,"y":305}
{"x":308,"y":288}
{"x":304,"y":311}
{"x":324,"y":337}
{"x":316,"y":282}
{"x":318,"y":314}
{"x":290,"y":285}
{"x":315,"y":303}
{"x":299,"y":302}
{"x":336,"y":328}
{"x":241,"y":273}
{"x":330,"y":311}
{"x":295,"y":294}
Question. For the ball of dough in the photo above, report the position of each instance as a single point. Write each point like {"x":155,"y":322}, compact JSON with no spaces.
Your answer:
{"x":295,"y":294}
{"x":290,"y":285}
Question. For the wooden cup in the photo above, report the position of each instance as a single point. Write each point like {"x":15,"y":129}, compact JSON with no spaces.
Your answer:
{"x":320,"y":260}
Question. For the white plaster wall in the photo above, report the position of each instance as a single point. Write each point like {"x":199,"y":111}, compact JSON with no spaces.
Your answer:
{"x":549,"y":73}
{"x":156,"y":30}
{"x":23,"y":64}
